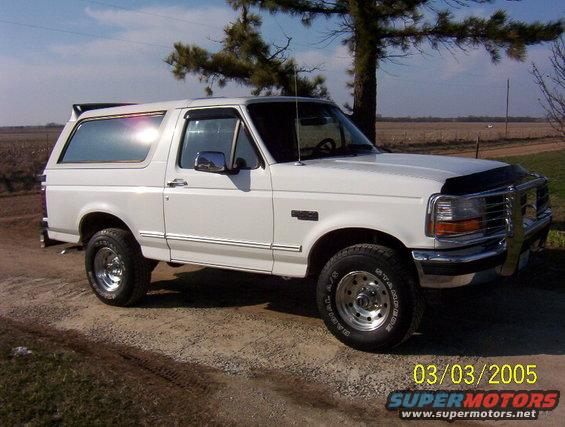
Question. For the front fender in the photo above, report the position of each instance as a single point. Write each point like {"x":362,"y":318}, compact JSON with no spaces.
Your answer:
{"x":400,"y":217}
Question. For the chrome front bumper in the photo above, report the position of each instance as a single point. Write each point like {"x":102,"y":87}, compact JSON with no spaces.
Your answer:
{"x":492,"y":258}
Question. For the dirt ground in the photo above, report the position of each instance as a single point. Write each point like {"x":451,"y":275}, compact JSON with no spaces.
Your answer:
{"x":511,"y":149}
{"x":261,"y":337}
{"x":147,"y":388}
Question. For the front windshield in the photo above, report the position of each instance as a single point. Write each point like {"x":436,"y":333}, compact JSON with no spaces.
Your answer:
{"x":324,"y":131}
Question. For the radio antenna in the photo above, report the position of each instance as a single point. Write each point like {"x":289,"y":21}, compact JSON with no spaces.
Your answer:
{"x":297,"y":126}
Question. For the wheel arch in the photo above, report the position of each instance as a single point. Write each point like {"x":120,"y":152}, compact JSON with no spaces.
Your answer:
{"x":94,"y":221}
{"x":335,"y":240}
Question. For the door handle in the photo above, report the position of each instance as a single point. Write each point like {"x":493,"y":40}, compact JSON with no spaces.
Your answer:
{"x":178,"y":182}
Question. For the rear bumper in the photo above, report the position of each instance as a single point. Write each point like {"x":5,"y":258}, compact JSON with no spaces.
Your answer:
{"x":481,"y":263}
{"x":44,"y":239}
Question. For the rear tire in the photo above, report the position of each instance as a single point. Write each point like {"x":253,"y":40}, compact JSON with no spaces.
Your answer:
{"x":117,"y":272}
{"x":369,"y":298}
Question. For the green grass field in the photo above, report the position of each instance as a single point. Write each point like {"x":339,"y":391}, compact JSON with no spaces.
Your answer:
{"x":54,"y":384}
{"x":67,"y":380}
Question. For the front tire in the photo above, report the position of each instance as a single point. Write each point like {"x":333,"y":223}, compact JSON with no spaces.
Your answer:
{"x":117,"y":272}
{"x":368,"y":297}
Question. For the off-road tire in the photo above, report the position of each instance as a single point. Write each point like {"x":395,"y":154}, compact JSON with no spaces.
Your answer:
{"x":393,"y":272}
{"x":137,"y":271}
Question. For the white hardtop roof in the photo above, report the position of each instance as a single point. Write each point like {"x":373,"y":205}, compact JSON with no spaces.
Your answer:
{"x":185,"y":103}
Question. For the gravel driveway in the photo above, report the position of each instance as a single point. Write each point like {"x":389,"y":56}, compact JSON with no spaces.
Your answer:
{"x":244,"y":324}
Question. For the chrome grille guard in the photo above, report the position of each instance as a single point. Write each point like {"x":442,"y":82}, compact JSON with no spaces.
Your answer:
{"x":505,"y":218}
{"x":518,"y":226}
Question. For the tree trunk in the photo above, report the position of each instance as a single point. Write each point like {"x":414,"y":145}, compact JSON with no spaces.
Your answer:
{"x":364,"y":69}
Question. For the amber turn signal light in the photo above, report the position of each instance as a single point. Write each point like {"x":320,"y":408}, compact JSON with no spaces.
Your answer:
{"x":447,"y":228}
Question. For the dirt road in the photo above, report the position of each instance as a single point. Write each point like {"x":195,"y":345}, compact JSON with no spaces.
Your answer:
{"x":510,"y":150}
{"x":263,"y":335}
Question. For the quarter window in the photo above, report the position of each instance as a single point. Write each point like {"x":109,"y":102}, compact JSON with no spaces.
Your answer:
{"x":123,"y":139}
{"x":245,"y":154}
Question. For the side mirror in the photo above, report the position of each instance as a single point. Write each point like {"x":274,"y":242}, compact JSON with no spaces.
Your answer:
{"x":210,"y":161}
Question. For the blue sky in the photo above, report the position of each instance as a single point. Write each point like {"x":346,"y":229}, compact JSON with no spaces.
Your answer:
{"x":43,"y":72}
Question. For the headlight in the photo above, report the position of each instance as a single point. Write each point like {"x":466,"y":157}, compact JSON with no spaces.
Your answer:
{"x":453,"y":216}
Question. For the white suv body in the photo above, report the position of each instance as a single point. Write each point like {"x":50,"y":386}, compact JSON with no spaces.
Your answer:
{"x":259,"y":214}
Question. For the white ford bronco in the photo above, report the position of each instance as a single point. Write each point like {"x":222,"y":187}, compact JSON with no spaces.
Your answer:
{"x":289,"y":187}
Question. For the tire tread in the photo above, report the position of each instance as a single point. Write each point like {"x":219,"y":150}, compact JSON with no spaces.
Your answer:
{"x":398,"y":265}
{"x":141,"y":271}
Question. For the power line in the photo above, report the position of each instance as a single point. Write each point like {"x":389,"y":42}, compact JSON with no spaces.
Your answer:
{"x":145,"y":12}
{"x":78,"y":33}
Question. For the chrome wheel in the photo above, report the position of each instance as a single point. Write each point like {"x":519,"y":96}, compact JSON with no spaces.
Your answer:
{"x":109,"y":269}
{"x":362,"y":300}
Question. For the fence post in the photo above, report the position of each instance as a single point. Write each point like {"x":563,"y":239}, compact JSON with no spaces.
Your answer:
{"x":477,"y":146}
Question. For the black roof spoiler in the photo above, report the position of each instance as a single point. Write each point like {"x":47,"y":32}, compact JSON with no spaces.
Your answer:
{"x":78,"y":109}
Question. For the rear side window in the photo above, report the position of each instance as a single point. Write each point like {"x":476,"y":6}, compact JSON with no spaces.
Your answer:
{"x":119,"y":139}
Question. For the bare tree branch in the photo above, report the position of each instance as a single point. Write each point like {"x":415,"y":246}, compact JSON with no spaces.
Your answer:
{"x":552,"y":87}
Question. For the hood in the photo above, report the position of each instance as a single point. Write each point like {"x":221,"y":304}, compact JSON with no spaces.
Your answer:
{"x":435,"y":168}
{"x":387,"y":174}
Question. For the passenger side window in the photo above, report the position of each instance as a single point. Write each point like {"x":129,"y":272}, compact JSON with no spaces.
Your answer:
{"x":216,"y":134}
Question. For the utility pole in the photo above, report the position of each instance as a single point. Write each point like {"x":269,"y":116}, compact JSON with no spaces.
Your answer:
{"x":376,"y":102}
{"x":507,"y":101}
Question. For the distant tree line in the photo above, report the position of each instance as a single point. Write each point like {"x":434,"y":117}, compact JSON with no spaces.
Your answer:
{"x":51,"y":125}
{"x":468,"y":119}
{"x":379,"y":118}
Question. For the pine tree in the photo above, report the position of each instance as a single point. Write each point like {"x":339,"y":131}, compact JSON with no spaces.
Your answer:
{"x":245,"y":58}
{"x":372,"y":29}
